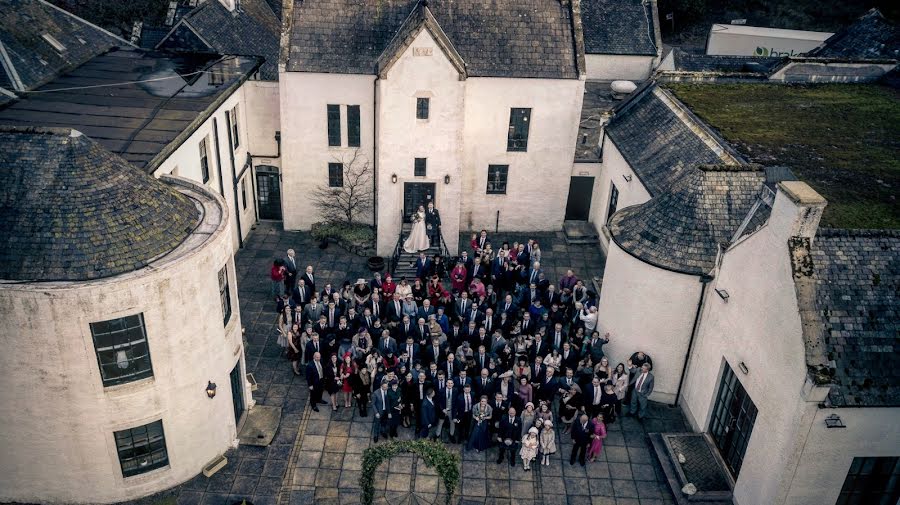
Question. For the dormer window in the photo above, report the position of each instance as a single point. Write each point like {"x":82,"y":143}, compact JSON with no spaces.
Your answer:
{"x":55,"y":43}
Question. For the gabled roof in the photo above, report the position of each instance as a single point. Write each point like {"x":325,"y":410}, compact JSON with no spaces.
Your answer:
{"x":619,"y":27}
{"x":872,"y":36}
{"x":419,"y":19}
{"x":505,"y":38}
{"x":141,"y":121}
{"x":71,"y":210}
{"x":855,"y":305}
{"x":659,"y":138}
{"x":39,"y":41}
{"x":681,"y":229}
{"x":252,"y":29}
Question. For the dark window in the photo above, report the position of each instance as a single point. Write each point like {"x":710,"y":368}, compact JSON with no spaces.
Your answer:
{"x":734,"y":415}
{"x":122,"y":351}
{"x":235,"y":138}
{"x":422,"y":105}
{"x":334,"y":125}
{"x":419,"y":167}
{"x":496,"y":182}
{"x":335,"y":175}
{"x":225,"y":294}
{"x":142,"y":449}
{"x":613,"y":201}
{"x":244,"y":193}
{"x":518,"y":130}
{"x":874,"y":481}
{"x":352,"y":126}
{"x":204,"y":159}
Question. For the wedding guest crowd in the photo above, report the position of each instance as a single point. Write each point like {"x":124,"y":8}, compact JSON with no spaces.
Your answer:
{"x":490,"y":354}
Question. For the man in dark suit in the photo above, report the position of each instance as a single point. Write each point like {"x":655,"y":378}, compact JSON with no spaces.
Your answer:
{"x":594,"y":347}
{"x":508,"y":434}
{"x":483,"y":384}
{"x":435,"y":352}
{"x":581,"y":437}
{"x":478,"y":270}
{"x":426,"y":310}
{"x":290,"y":274}
{"x":462,"y":379}
{"x":332,"y":315}
{"x":470,"y":334}
{"x":433,"y":224}
{"x":376,"y":306}
{"x":528,"y":326}
{"x":421,"y":333}
{"x":509,"y":307}
{"x":569,"y":357}
{"x":423,"y":266}
{"x":387,"y":343}
{"x":481,"y":359}
{"x":593,"y":393}
{"x":557,"y":336}
{"x":450,"y":367}
{"x":394,"y":311}
{"x":301,"y":294}
{"x":551,"y":296}
{"x":405,"y":329}
{"x":474,"y":315}
{"x":643,"y":387}
{"x":314,"y":346}
{"x":531,"y":275}
{"x":315,"y":378}
{"x":309,"y":278}
{"x":482,"y":241}
{"x":497,"y":266}
{"x":463,"y":413}
{"x":445,"y":405}
{"x":549,"y":386}
{"x":467,"y":262}
{"x":463,"y":307}
{"x":489,"y":321}
{"x":498,"y":410}
{"x":382,"y":410}
{"x":427,"y":416}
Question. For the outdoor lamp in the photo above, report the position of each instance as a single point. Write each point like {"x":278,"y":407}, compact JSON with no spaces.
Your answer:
{"x":211,"y":389}
{"x":834,"y":421}
{"x":447,"y":179}
{"x":723,"y":294}
{"x":394,"y":178}
{"x":627,"y":177}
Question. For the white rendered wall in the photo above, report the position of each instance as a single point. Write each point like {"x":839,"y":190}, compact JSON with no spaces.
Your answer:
{"x":185,"y":162}
{"x":648,"y":309}
{"x":402,"y":137}
{"x":57,"y":441}
{"x":759,"y":326}
{"x":538,"y":185}
{"x":263,"y":116}
{"x":828,"y":452}
{"x":612,"y":67}
{"x":304,"y":136}
{"x":615,"y":168}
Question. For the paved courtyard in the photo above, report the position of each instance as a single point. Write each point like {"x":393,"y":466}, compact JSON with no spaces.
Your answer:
{"x":315,"y":456}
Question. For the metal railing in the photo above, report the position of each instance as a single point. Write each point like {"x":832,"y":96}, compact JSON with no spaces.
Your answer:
{"x":398,"y":248}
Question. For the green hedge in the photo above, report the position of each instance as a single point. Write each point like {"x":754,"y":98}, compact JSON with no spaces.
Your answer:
{"x":357,"y":238}
{"x":445,"y":463}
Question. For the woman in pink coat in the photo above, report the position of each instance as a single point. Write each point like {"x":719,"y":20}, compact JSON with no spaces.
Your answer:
{"x":597,"y":438}
{"x":458,"y":278}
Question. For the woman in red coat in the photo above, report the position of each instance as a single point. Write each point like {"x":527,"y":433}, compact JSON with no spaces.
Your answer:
{"x":458,"y":278}
{"x":348,"y":370}
{"x":388,"y":287}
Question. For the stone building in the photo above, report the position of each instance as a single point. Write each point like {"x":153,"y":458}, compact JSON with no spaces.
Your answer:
{"x":102,"y":267}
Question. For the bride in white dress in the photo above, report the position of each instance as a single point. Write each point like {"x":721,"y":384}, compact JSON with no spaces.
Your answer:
{"x":418,"y":237}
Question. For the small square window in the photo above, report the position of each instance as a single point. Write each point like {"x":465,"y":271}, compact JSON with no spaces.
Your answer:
{"x":204,"y":159}
{"x":496,"y":182}
{"x":419,"y":167}
{"x":122,"y":351}
{"x":335,"y":175}
{"x":142,"y":449}
{"x":422,"y":106}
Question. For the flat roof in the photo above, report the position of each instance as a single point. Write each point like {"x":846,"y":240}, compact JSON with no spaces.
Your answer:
{"x":138,"y":104}
{"x":769,"y":32}
{"x":841,"y":139}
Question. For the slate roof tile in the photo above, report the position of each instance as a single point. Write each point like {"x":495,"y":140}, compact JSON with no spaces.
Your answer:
{"x":618,"y":27}
{"x":502,"y":38}
{"x":857,"y":275}
{"x":872,"y":36}
{"x":681,"y":229}
{"x":71,"y":210}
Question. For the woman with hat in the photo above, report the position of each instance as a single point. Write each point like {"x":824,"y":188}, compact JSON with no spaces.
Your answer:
{"x":528,"y":417}
{"x":361,"y":292}
{"x":529,"y":448}
{"x":548,"y":441}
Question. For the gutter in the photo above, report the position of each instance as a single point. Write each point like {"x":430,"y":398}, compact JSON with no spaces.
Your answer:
{"x":375,"y":156}
{"x":237,"y":210}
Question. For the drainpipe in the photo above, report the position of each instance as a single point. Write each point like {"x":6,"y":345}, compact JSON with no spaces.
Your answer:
{"x":704,"y":281}
{"x":375,"y":157}
{"x":237,"y":210}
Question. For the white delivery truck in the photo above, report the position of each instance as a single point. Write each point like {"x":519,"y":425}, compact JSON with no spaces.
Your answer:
{"x":741,"y":40}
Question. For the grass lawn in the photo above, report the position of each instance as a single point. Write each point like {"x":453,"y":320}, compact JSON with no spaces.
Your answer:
{"x":841,"y":139}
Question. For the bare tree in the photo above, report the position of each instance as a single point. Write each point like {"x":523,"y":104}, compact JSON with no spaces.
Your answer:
{"x":353,"y":197}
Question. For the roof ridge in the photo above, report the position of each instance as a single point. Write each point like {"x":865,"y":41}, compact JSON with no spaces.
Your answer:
{"x":858,"y":232}
{"x":722,"y":167}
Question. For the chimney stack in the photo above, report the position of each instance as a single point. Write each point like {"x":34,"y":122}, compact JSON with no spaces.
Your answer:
{"x":797,"y":210}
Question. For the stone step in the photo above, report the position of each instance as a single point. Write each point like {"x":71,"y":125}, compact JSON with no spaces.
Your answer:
{"x":580,"y":232}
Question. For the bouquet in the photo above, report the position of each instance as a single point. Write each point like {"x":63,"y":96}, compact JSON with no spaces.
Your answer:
{"x":415,"y":218}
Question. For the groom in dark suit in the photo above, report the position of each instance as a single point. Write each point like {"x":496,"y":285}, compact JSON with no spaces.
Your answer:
{"x":433,"y":224}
